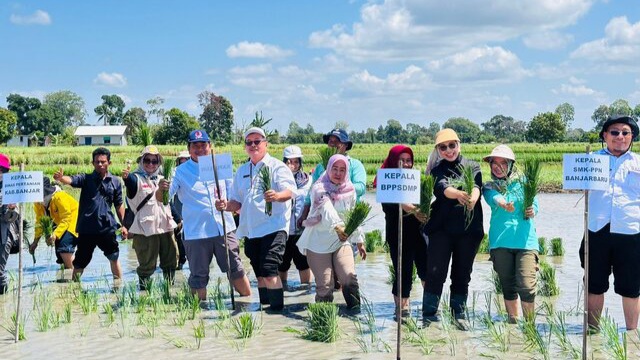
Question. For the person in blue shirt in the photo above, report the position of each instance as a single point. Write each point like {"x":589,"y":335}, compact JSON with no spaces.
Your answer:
{"x":614,"y":225}
{"x":513,"y":242}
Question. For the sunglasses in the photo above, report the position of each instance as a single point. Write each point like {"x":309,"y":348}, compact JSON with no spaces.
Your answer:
{"x":149,"y":161}
{"x":254,"y":142}
{"x":451,"y":146}
{"x":617,"y":132}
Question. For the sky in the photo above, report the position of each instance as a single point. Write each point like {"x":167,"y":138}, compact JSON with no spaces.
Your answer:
{"x":322,"y":62}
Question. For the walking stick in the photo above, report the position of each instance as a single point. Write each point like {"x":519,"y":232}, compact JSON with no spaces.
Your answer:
{"x":399,"y":278}
{"x":585,"y":320}
{"x":224,"y":231}
{"x":20,"y":238}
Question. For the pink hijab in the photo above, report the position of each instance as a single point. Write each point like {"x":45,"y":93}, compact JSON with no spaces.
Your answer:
{"x":324,"y":190}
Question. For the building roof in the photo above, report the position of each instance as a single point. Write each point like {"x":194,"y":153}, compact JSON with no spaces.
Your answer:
{"x":100,"y":130}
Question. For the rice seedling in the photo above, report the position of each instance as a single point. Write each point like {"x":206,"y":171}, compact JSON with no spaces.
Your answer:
{"x":10,"y":326}
{"x":497,"y":285}
{"x":66,"y":313}
{"x":484,"y":245}
{"x":322,"y":323}
{"x":144,"y":135}
{"x":533,"y":339}
{"x":427,"y":184}
{"x":88,"y":301}
{"x":265,"y":185}
{"x":417,"y":337}
{"x":199,"y":333}
{"x":246,"y":325}
{"x":356,"y":217}
{"x":45,"y":224}
{"x":465,"y":182}
{"x":558,"y":327}
{"x":530,"y":181}
{"x":543,"y":248}
{"x":366,"y":325}
{"x":167,"y":172}
{"x":498,"y":333}
{"x":547,"y":284}
{"x":392,"y":274}
{"x":615,"y":345}
{"x":325,"y":154}
{"x":556,"y":247}
{"x":373,"y":240}
{"x":45,"y":317}
{"x":110,"y":315}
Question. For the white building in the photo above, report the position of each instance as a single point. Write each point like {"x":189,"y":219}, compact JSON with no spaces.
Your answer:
{"x":101,"y":135}
{"x":21,"y":140}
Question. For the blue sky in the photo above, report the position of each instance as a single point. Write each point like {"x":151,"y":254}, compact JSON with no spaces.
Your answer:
{"x":319,"y":62}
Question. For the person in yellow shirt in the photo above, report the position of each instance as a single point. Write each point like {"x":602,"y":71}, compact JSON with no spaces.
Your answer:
{"x":63,"y":210}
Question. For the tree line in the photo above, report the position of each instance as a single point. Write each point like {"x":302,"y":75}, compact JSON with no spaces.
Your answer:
{"x":58,"y":113}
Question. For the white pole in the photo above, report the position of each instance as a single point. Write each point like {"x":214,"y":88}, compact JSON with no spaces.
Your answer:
{"x":399,"y":278}
{"x":20,"y":236}
{"x":585,"y":322}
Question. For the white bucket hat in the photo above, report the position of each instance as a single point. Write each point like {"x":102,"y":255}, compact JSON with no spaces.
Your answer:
{"x":292,"y":152}
{"x":502,"y":151}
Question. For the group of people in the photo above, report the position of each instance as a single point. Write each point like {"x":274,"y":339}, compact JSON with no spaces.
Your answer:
{"x":287,"y":214}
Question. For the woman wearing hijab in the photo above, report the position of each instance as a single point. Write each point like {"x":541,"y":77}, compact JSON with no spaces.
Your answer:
{"x":62,"y":208}
{"x":292,"y":156}
{"x":513,"y":242}
{"x":324,"y":241}
{"x":153,"y":224}
{"x":451,"y":237}
{"x":414,"y":247}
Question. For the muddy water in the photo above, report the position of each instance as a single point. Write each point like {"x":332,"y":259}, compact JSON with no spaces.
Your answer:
{"x":89,"y":335}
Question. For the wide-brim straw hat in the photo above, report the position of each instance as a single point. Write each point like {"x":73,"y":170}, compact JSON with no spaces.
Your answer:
{"x":445,"y":135}
{"x":502,"y":151}
{"x":150,"y":150}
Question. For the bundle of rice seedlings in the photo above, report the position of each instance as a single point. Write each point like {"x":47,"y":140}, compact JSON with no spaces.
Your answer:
{"x":144,"y":135}
{"x":530,"y":181}
{"x":547,"y":284}
{"x":465,"y":182}
{"x":356,"y":217}
{"x":265,"y":185}
{"x":246,"y":326}
{"x":373,"y":240}
{"x":427,"y":183}
{"x":45,"y":223}
{"x":325,"y":154}
{"x":167,"y":172}
{"x":322,"y":324}
{"x":556,"y":247}
{"x":484,"y":245}
{"x":542,"y":245}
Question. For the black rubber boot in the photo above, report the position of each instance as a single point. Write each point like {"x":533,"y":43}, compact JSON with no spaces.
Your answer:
{"x":262,"y":293}
{"x":458,"y":305}
{"x":351,"y":295}
{"x":430,"y":304}
{"x":276,"y":299}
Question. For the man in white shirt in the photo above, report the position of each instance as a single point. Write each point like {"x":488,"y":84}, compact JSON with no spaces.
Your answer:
{"x":614,"y":225}
{"x":264,"y":215}
{"x":202,"y":224}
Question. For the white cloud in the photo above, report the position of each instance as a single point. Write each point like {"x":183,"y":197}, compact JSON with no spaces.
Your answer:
{"x":39,"y":17}
{"x":412,"y":79}
{"x":127,"y":100}
{"x":264,"y":78}
{"x":577,"y":90}
{"x":251,"y":69}
{"x":256,"y":50}
{"x":427,"y":29}
{"x":112,"y":79}
{"x":620,"y":47}
{"x":481,"y":63}
{"x":547,"y":40}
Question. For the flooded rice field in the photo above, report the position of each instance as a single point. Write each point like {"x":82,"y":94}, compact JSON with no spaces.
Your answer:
{"x":101,"y":322}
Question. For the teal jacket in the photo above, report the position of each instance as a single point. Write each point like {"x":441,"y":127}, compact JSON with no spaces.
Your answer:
{"x":510,"y":229}
{"x":357,"y":175}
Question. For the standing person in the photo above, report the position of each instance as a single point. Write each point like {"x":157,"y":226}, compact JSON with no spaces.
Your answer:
{"x":513,"y":243}
{"x":450,"y":239}
{"x":614,"y":225}
{"x":176,"y":211}
{"x":266,"y":233}
{"x":202,"y":226}
{"x":414,"y":247}
{"x":97,"y":226}
{"x":339,"y":139}
{"x":153,"y":224}
{"x":292,"y":156}
{"x":62,"y":208}
{"x":324,"y":241}
{"x":9,"y":228}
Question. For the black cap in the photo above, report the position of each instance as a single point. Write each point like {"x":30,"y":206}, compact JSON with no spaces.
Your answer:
{"x":342,"y":136}
{"x":620,"y":119}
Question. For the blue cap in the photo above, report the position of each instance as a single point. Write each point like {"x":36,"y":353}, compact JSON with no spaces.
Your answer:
{"x":198,"y":136}
{"x":342,"y":136}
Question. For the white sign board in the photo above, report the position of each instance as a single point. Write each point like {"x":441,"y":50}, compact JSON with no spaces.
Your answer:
{"x":585,"y":172}
{"x":22,"y":187}
{"x":398,"y":186}
{"x":224,"y":163}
